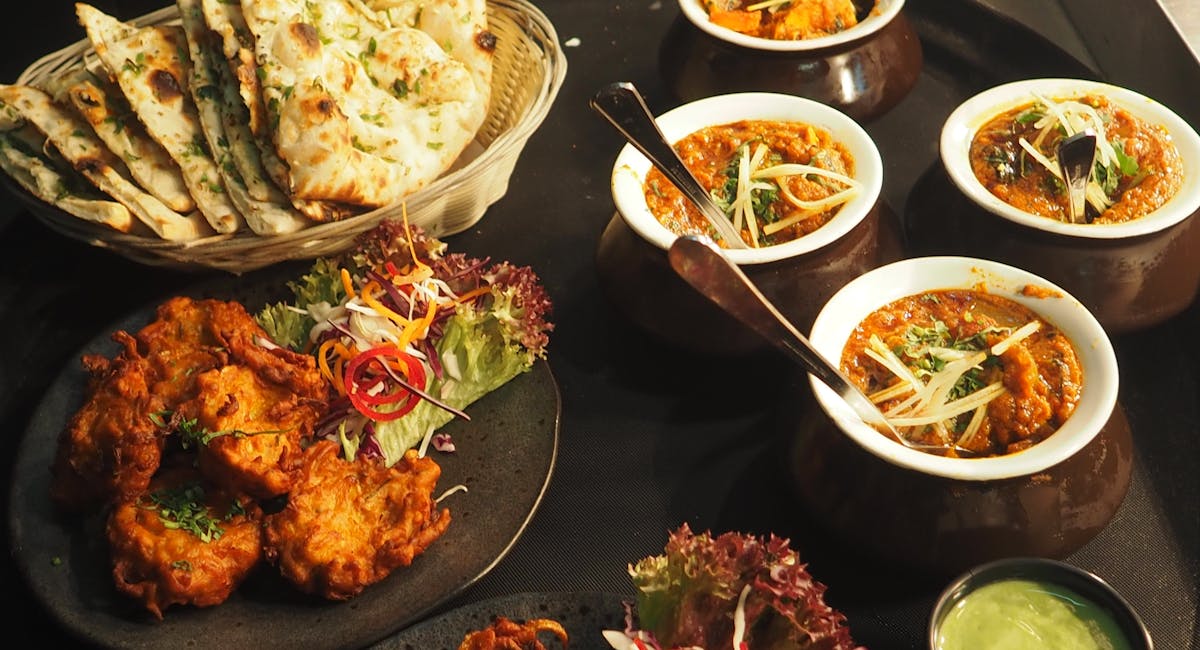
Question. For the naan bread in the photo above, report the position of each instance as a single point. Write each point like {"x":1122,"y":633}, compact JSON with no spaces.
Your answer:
{"x":270,"y":215}
{"x":21,"y":158}
{"x":104,"y":107}
{"x":80,"y":146}
{"x":152,"y":68}
{"x":226,"y":19}
{"x":364,"y":110}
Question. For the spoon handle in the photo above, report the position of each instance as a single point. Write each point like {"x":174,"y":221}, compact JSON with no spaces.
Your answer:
{"x":623,"y":106}
{"x":701,"y":263}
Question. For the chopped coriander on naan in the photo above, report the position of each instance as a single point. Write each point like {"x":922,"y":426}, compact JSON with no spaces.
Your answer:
{"x":80,"y":146}
{"x":369,"y":104}
{"x":104,"y":107}
{"x":151,"y":65}
{"x":272,"y":215}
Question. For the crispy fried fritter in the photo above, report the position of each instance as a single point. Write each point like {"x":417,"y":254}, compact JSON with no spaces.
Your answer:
{"x":506,"y":634}
{"x":254,"y":427}
{"x":348,"y":525}
{"x":183,"y":542}
{"x":110,"y":448}
{"x":205,"y":358}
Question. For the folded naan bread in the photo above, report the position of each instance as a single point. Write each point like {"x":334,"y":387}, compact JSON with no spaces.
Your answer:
{"x":152,"y":67}
{"x":104,"y":107}
{"x":270,"y":215}
{"x":23,"y":158}
{"x":86,"y":153}
{"x":366,"y":105}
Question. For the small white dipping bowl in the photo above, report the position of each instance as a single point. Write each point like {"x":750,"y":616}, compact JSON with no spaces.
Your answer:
{"x":870,"y":291}
{"x":882,"y":14}
{"x":960,"y":128}
{"x":631,"y":167}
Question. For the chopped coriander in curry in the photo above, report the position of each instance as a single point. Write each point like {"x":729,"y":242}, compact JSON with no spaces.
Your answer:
{"x":965,"y":369}
{"x":1137,"y":169}
{"x":776,"y":181}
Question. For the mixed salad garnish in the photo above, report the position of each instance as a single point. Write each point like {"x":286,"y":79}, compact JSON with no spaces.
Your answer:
{"x":409,"y":335}
{"x":733,"y":591}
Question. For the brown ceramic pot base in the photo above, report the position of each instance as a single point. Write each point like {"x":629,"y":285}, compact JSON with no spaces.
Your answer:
{"x":863,"y":79}
{"x":947,"y":526}
{"x":638,"y":279}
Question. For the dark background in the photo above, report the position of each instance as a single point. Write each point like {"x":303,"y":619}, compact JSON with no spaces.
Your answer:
{"x":649,"y":439}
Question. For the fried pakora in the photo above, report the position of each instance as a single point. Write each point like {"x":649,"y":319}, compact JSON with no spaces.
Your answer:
{"x":506,"y":634}
{"x":202,"y":367}
{"x":183,"y":542}
{"x":110,"y":448}
{"x":349,"y":524}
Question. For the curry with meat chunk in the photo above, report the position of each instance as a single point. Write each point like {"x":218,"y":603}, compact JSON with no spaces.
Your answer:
{"x":1137,"y":168}
{"x":776,"y":181}
{"x":968,"y":372}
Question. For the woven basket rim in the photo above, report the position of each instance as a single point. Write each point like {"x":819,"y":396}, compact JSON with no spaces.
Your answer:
{"x":225,"y":251}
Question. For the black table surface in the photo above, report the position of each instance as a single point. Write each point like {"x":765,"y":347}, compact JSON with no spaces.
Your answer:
{"x":650,"y":436}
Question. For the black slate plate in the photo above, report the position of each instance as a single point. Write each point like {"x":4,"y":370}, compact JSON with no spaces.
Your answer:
{"x":582,"y":615}
{"x":505,"y":456}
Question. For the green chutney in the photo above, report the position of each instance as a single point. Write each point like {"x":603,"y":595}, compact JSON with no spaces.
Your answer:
{"x":1027,"y":615}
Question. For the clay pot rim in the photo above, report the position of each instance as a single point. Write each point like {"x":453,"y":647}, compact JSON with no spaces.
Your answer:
{"x":962,"y":124}
{"x":883,"y":13}
{"x":853,"y":302}
{"x":630,"y":169}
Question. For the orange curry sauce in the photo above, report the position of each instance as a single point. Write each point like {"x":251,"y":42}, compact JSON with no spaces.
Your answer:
{"x":709,"y":153}
{"x":783,"y":21}
{"x":1008,"y":172}
{"x":1040,"y":374}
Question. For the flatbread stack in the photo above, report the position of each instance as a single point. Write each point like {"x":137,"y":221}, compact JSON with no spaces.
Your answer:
{"x":258,"y":117}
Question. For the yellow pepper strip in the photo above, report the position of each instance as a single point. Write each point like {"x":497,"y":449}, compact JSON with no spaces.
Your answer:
{"x":323,"y":365}
{"x":421,"y":273}
{"x":367,"y":296}
{"x":419,"y":327}
{"x":347,"y":284}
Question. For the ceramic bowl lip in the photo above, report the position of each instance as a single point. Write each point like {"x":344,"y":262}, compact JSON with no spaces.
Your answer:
{"x":630,"y":169}
{"x":966,"y":119}
{"x":1059,"y":572}
{"x":880,"y":16}
{"x":870,"y":291}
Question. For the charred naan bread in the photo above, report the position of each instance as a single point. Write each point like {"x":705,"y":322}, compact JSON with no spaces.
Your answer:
{"x":80,"y":146}
{"x":104,"y":107}
{"x":367,"y":104}
{"x":22,"y":158}
{"x":270,"y":215}
{"x":152,"y":67}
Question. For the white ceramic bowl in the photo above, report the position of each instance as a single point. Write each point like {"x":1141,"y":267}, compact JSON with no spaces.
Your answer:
{"x":631,"y":167}
{"x":884,"y":12}
{"x":870,"y":291}
{"x":960,"y":128}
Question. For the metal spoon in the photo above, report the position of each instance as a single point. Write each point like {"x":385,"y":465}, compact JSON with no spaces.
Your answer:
{"x":701,"y":263}
{"x":1076,"y":158}
{"x":623,"y":106}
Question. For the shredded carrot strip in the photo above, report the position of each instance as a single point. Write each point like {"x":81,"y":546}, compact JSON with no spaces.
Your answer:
{"x":367,"y":296}
{"x":479,"y":291}
{"x":347,"y":284}
{"x":323,"y":360}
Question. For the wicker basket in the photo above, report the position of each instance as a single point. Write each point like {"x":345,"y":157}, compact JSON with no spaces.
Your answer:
{"x":529,"y":68}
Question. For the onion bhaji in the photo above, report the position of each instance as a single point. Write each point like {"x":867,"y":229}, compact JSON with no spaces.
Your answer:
{"x":114,"y":443}
{"x":507,"y":634}
{"x":348,"y":525}
{"x":183,"y":542}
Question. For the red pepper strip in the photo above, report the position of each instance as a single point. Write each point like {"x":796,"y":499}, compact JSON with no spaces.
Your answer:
{"x":359,"y":378}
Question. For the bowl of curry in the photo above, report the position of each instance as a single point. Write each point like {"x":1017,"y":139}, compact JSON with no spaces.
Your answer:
{"x":1000,"y":149}
{"x":1002,"y":388}
{"x":790,"y":25}
{"x":799,"y":180}
{"x":998,"y":194}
